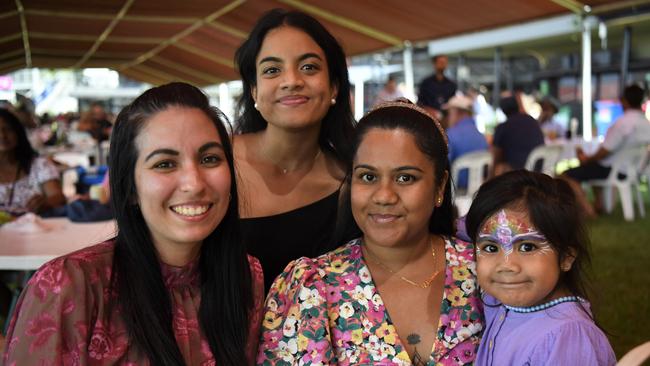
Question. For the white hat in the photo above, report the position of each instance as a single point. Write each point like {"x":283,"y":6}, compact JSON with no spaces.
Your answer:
{"x":460,"y":102}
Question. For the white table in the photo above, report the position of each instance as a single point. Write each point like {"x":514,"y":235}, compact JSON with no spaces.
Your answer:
{"x":21,"y":251}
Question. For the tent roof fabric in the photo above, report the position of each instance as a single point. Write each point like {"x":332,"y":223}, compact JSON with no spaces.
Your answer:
{"x":195,"y":40}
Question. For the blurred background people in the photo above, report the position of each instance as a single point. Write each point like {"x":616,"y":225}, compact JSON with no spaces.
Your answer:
{"x":630,"y":130}
{"x":515,"y":138}
{"x":27,"y":182}
{"x":389,"y":92}
{"x":551,"y":128}
{"x":463,"y":135}
{"x":436,"y":89}
{"x":95,"y":121}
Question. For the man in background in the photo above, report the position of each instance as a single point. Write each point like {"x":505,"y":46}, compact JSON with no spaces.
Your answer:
{"x":629,"y":130}
{"x":515,"y":138}
{"x":436,"y":89}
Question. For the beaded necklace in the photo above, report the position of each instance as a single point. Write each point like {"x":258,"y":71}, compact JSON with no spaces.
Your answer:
{"x":544,"y":306}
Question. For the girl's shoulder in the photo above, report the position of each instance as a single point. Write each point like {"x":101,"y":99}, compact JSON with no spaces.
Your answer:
{"x":573,"y":340}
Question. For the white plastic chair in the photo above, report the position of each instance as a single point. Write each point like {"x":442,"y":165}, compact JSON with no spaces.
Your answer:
{"x":626,"y":164}
{"x":548,"y":154}
{"x":476,"y":164}
{"x":644,"y":168}
{"x":636,"y":356}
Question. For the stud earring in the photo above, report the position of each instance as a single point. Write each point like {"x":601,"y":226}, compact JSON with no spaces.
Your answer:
{"x":255,"y":105}
{"x":439,"y":202}
{"x":333,"y":101}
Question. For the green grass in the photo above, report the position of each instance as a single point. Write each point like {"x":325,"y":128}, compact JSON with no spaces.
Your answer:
{"x":621,"y":274}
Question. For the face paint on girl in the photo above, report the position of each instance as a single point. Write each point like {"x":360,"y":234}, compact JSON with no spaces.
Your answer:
{"x":516,"y":263}
{"x":506,"y":231}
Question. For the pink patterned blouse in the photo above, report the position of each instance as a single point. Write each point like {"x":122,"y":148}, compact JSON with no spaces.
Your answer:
{"x":328,"y":310}
{"x":62,"y":316}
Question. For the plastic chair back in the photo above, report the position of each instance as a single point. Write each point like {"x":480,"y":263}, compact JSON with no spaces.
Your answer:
{"x":548,"y":154}
{"x":475,"y":162}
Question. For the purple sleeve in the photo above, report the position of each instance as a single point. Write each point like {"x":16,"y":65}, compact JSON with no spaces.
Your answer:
{"x":575,"y":343}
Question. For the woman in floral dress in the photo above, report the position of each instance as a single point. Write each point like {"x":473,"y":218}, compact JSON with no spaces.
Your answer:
{"x":175,"y":286}
{"x":404,"y":292}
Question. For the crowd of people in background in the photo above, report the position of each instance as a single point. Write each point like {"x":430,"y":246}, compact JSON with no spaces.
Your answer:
{"x":336,"y":223}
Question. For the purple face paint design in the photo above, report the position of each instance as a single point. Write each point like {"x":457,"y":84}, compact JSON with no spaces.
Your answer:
{"x":507,"y":231}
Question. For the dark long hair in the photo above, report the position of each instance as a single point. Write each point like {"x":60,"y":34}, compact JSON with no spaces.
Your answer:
{"x":429,"y":140}
{"x":338,"y":124}
{"x":226,"y":290}
{"x":24,"y":153}
{"x":552,"y":209}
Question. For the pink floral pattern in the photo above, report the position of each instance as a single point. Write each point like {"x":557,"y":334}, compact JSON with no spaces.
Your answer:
{"x":327,"y":310}
{"x":62,"y":318}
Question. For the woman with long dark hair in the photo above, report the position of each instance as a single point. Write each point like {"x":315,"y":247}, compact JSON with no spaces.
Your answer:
{"x":27,"y":182}
{"x":175,"y":286}
{"x":294,"y":132}
{"x":334,"y":309}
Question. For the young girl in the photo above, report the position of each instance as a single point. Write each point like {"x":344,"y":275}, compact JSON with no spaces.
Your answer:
{"x":532,"y":250}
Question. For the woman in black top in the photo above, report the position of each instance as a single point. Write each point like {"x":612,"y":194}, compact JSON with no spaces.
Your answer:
{"x":293,"y":132}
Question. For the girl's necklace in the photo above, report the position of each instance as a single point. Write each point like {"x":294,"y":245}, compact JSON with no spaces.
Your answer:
{"x":424,"y":284}
{"x":544,"y":306}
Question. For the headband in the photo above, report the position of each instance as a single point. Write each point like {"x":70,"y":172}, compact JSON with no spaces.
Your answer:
{"x":405,"y":103}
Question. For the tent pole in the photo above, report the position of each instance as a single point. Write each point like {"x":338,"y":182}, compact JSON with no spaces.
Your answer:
{"x":586,"y":78}
{"x":408,"y":70}
{"x":625,"y":57}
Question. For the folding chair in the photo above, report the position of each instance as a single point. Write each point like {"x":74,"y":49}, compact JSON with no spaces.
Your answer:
{"x":548,"y":154}
{"x":624,"y":176}
{"x":476,"y":164}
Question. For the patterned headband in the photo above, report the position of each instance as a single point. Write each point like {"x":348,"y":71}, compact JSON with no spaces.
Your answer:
{"x":405,"y":103}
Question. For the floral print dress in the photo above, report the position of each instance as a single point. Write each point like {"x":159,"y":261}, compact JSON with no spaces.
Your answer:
{"x":327,"y":310}
{"x":63,"y":316}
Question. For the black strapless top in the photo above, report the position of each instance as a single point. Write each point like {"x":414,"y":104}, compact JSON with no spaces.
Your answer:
{"x":304,"y":232}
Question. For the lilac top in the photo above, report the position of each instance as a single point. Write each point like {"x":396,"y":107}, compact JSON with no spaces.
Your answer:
{"x":561,"y":335}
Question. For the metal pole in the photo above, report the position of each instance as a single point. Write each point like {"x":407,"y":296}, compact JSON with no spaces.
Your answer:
{"x":460,"y":77}
{"x":408,"y":70}
{"x":496,"y":92}
{"x":625,"y":56}
{"x":358,"y":98}
{"x":510,"y":77}
{"x":586,"y":79}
